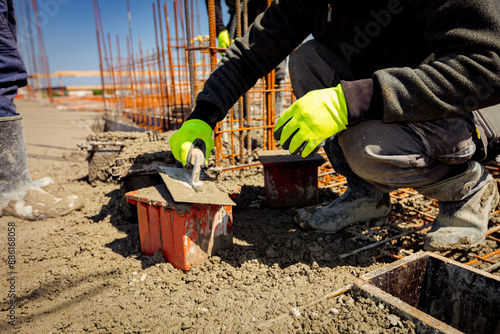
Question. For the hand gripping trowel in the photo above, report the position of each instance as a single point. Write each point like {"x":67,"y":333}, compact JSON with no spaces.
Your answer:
{"x":193,"y":186}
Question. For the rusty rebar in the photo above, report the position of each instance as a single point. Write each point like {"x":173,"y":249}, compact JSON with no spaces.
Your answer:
{"x":172,"y":71}
{"x":139,"y":103}
{"x":111,"y":69}
{"x":163,"y":78}
{"x":212,"y":43}
{"x":43,"y":54}
{"x":158,"y":59}
{"x":120,"y":76}
{"x":181,"y":95}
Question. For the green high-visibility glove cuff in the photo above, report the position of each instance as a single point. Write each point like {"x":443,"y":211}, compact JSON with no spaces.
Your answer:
{"x":182,"y":141}
{"x":315,"y":117}
{"x":223,"y":39}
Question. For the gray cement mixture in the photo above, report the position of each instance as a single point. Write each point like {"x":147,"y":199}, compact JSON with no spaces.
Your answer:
{"x":84,"y":272}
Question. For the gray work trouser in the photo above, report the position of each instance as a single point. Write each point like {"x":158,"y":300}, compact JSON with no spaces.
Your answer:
{"x":388,"y":155}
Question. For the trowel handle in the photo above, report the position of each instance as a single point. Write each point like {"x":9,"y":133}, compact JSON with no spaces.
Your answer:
{"x":197,"y":159}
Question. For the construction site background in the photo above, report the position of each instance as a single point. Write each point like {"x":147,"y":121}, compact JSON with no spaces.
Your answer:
{"x":154,"y":88}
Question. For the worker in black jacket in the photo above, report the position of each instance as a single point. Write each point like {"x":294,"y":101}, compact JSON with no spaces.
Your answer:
{"x":387,"y":87}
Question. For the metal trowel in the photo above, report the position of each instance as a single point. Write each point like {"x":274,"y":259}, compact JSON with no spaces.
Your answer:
{"x":193,"y":186}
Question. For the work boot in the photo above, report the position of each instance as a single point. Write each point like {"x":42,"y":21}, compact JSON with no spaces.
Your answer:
{"x":19,"y":195}
{"x":362,"y":201}
{"x":35,"y":203}
{"x":465,"y":201}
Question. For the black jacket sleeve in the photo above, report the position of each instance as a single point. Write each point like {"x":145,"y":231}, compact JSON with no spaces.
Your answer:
{"x":461,"y":74}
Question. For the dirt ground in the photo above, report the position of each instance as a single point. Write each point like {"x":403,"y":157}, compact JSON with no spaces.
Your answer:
{"x":84,"y":272}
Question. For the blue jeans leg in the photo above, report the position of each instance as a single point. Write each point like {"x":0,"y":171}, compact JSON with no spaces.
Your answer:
{"x":12,"y":70}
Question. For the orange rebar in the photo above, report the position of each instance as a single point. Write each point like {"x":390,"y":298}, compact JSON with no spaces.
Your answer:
{"x":163,"y":78}
{"x":121,"y":86}
{"x":176,"y":3}
{"x":143,"y":97}
{"x":172,"y":72}
{"x":152,"y":95}
{"x":43,"y":54}
{"x":483,"y":258}
{"x":158,"y":60}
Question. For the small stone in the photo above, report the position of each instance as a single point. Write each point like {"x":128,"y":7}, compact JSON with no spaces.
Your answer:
{"x":491,"y":244}
{"x":381,"y":306}
{"x":393,"y":319}
{"x":295,"y":311}
{"x":314,"y":316}
{"x":186,"y":325}
{"x":350,"y":302}
{"x":334,"y":311}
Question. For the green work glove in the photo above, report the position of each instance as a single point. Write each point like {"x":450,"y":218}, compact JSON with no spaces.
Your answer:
{"x":192,"y":132}
{"x":318,"y":115}
{"x":223,"y":39}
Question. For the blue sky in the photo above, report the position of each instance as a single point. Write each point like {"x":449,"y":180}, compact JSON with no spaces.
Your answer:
{"x":70,"y":33}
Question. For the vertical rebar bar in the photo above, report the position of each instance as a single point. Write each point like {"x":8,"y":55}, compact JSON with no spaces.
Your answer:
{"x":130,"y":50}
{"x":178,"y":65}
{"x":166,"y":113}
{"x":151,"y":113}
{"x":172,"y":73}
{"x":112,"y":71}
{"x":212,"y":44}
{"x":186,"y":82}
{"x":129,"y":74}
{"x":141,"y":84}
{"x":43,"y":54}
{"x":96,"y":14}
{"x":158,"y":57}
{"x":240,"y":100}
{"x":103,"y":39}
{"x":190,"y":52}
{"x":246,"y":108}
{"x":119,"y":97}
{"x":269,"y":104}
{"x":28,"y":49}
